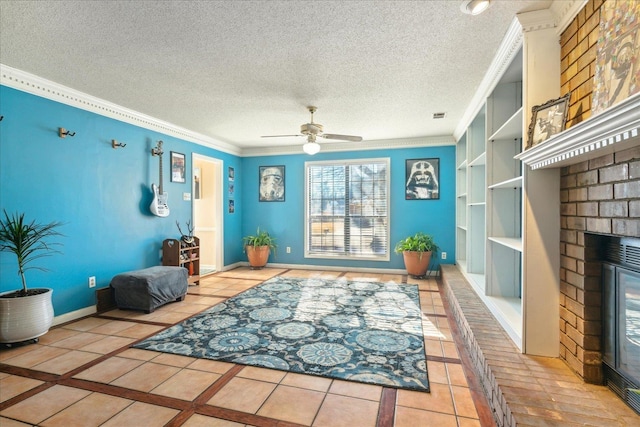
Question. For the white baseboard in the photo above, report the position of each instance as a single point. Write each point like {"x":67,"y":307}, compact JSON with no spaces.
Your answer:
{"x":73,"y":315}
{"x":334,"y":268}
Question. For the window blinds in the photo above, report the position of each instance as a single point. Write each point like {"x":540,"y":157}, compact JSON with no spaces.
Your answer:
{"x":347,"y":209}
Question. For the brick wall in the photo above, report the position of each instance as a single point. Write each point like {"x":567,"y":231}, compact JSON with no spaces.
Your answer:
{"x":599,"y":196}
{"x":578,"y":57}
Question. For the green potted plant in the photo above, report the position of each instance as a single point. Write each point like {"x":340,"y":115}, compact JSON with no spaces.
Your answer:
{"x":416,"y":251}
{"x":26,"y":313}
{"x":258,"y":247}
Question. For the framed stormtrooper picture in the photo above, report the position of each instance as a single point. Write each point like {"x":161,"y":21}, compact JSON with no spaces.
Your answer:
{"x":422,"y":177}
{"x":271,"y":184}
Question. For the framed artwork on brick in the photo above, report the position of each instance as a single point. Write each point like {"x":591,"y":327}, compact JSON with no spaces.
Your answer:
{"x":547,"y":120}
{"x":617,"y":73}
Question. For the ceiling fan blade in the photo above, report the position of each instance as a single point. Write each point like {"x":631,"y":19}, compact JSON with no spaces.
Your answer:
{"x":341,"y":137}
{"x":277,"y":136}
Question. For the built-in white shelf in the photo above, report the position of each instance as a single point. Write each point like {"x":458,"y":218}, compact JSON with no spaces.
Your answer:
{"x":509,"y":183}
{"x":462,"y":196}
{"x":517,"y":278}
{"x":512,"y":129}
{"x":479,"y":161}
{"x":463,"y":165}
{"x":514,"y":243}
{"x":462,"y":227}
{"x":507,"y":311}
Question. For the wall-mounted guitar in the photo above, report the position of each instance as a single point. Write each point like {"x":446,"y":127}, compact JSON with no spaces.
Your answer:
{"x":159,"y":205}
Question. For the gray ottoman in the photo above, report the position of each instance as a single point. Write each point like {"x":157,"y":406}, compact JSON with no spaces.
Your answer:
{"x":149,"y":288}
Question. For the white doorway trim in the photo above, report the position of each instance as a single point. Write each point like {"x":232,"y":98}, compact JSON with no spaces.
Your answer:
{"x":218,"y":204}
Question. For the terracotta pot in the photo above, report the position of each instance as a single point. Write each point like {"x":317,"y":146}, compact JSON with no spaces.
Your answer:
{"x":25,"y":318}
{"x":416,"y":263}
{"x":258,"y":256}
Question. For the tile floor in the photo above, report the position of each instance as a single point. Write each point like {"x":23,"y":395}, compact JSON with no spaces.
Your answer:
{"x":85,"y":373}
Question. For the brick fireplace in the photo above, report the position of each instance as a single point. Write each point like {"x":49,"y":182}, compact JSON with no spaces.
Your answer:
{"x":600,"y":196}
{"x":599,"y":160}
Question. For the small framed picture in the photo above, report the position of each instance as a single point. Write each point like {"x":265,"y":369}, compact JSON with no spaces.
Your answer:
{"x":547,"y":120}
{"x":232,"y":174}
{"x":422,"y":177}
{"x":271,"y":183}
{"x":178,"y":167}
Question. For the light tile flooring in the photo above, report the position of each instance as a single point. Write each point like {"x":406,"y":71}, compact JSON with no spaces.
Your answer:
{"x":85,"y":373}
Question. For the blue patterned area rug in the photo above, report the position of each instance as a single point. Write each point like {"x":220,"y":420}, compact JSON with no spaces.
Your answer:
{"x":358,"y":331}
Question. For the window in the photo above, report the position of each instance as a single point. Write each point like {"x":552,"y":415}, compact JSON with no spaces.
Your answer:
{"x":347,"y":209}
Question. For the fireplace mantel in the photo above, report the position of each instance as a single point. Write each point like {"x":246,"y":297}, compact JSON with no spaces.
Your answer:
{"x":615,"y":129}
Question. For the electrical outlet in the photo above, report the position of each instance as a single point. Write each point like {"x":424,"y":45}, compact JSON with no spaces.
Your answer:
{"x":444,"y":255}
{"x":288,"y":249}
{"x":92,"y":281}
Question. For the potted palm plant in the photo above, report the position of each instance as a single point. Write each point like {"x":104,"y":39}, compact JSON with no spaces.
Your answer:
{"x":258,"y":247}
{"x":416,"y":251}
{"x":26,"y":314}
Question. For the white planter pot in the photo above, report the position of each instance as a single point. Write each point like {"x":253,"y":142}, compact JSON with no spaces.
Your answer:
{"x":25,"y":318}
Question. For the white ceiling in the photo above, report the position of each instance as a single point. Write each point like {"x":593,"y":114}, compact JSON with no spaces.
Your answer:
{"x":236,"y":70}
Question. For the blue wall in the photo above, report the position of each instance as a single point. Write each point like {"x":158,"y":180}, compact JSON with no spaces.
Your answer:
{"x":285,"y":220}
{"x":102,"y":196}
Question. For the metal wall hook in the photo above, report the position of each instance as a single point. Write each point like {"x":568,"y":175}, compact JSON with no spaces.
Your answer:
{"x":116,"y":144}
{"x":62,"y":133}
{"x":1,"y":117}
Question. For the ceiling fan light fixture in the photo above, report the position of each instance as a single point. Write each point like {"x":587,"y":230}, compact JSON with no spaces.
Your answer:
{"x":474,"y":7}
{"x":311,"y":148}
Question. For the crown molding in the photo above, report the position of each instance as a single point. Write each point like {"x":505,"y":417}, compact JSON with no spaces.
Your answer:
{"x":511,"y":44}
{"x":615,"y":129}
{"x":537,"y":20}
{"x":332,"y":147}
{"x":565,"y":11}
{"x":30,"y":83}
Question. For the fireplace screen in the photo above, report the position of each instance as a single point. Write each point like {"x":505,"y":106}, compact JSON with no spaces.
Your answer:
{"x":621,"y":332}
{"x":629,"y":323}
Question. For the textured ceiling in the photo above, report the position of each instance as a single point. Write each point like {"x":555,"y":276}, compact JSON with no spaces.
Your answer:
{"x":236,"y":70}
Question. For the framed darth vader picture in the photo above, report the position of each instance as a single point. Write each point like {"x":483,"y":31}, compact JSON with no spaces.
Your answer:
{"x":422,"y":178}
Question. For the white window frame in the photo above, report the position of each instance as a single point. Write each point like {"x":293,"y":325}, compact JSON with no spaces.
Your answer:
{"x":315,"y":255}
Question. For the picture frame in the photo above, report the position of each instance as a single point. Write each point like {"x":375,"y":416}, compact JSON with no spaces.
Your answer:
{"x":231,"y":174}
{"x":178,"y":167}
{"x":547,"y":120}
{"x":271,"y":183}
{"x":422,"y":179}
{"x":617,"y":69}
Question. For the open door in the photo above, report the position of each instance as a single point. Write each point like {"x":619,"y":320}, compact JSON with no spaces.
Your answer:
{"x":207,"y":200}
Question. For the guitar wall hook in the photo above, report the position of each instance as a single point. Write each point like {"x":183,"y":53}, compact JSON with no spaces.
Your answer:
{"x":157,"y":150}
{"x":62,"y":133}
{"x":116,"y":144}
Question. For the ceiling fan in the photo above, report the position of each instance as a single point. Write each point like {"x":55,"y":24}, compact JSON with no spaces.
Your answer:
{"x":314,"y":130}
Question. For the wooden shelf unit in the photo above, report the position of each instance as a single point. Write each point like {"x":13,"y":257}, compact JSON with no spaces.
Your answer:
{"x":177,"y":253}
